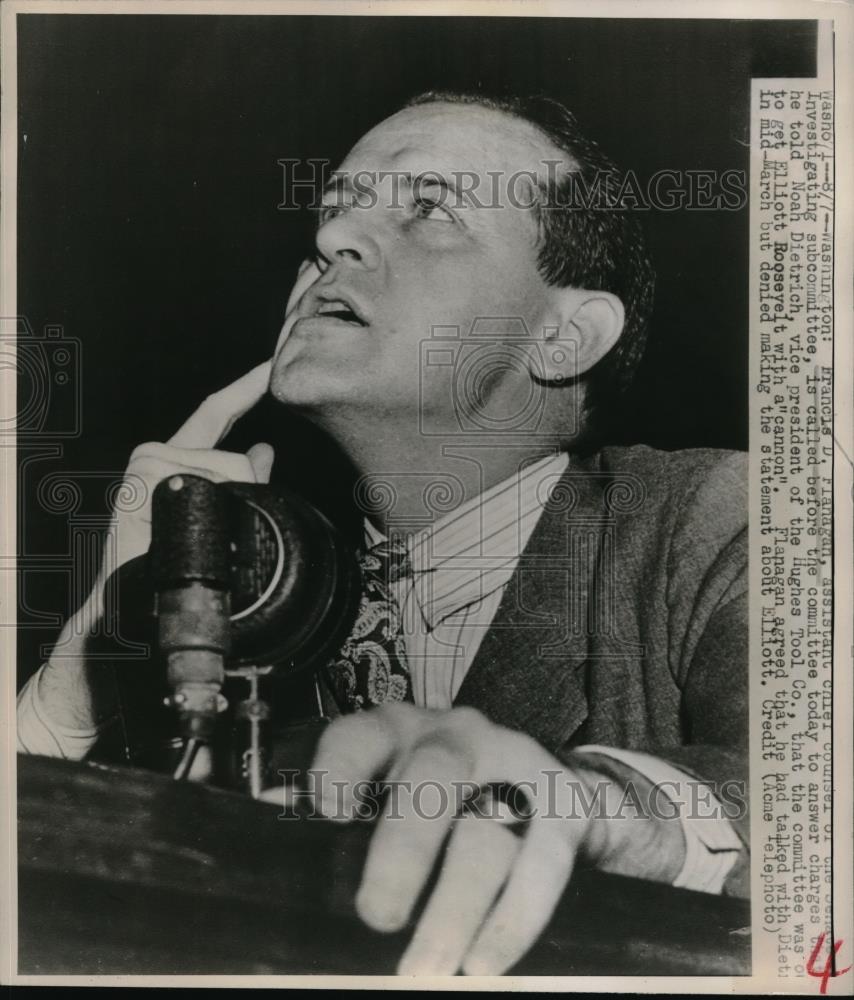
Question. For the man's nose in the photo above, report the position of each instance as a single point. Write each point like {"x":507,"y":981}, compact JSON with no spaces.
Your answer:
{"x":347,"y":239}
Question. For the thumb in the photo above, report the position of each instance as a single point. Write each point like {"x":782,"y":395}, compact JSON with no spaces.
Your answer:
{"x":261,"y":459}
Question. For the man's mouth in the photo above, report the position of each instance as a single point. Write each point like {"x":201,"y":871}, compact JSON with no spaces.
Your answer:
{"x":340,"y":310}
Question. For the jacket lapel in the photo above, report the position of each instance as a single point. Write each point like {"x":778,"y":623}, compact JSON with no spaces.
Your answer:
{"x":530,"y":670}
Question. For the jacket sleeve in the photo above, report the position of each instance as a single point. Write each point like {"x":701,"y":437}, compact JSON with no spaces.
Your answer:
{"x":707,"y":600}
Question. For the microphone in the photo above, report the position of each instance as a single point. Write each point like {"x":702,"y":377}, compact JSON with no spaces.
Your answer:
{"x":241,"y":580}
{"x":190,"y":572}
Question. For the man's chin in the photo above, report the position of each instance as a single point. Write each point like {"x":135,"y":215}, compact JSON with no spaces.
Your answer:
{"x":294,"y":396}
{"x":309,"y":392}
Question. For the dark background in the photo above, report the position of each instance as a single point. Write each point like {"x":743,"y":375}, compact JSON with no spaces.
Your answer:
{"x":148,"y":226}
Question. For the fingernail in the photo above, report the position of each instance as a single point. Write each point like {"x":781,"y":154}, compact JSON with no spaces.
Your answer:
{"x":379,"y":912}
{"x":481,"y":965}
{"x":427,"y":962}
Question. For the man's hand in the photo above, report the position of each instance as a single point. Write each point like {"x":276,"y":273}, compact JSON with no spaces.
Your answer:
{"x":496,"y":891}
{"x":191,"y":451}
{"x":75,"y":695}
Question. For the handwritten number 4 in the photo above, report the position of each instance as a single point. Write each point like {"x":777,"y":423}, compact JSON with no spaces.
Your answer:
{"x":825,"y":974}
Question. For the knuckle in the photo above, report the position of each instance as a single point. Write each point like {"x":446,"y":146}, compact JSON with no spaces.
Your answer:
{"x":150,"y":449}
{"x":440,"y":743}
{"x":444,"y":750}
{"x":146,"y":467}
{"x":465,"y":717}
{"x":468,"y":726}
{"x":345,"y":732}
{"x":397,"y":714}
{"x":520,"y":747}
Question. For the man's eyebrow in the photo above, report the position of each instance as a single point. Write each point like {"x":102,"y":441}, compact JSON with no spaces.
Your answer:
{"x":432,"y":178}
{"x":340,"y":182}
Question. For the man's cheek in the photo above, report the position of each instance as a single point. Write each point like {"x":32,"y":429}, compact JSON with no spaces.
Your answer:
{"x":447,"y":310}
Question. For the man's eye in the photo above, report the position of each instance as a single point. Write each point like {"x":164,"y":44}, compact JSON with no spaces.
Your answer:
{"x":328,"y":212}
{"x":432,"y":210}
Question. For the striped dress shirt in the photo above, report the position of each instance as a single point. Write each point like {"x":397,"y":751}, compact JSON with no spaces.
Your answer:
{"x":460,"y":568}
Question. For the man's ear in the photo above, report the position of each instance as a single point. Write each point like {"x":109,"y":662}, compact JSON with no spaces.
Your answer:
{"x":586,"y":325}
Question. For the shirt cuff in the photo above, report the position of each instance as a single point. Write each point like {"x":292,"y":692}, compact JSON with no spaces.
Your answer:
{"x":711,"y":844}
{"x":38,"y":734}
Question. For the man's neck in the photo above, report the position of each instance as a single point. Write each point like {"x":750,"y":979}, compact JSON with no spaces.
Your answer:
{"x":407,"y":482}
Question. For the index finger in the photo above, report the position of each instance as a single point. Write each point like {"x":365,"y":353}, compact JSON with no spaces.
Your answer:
{"x":361,"y":746}
{"x":214,"y":418}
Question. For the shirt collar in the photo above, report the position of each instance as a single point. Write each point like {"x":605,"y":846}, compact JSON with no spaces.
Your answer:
{"x":473,"y":550}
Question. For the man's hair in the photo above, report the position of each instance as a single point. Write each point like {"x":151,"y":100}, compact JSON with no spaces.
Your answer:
{"x":593,"y":243}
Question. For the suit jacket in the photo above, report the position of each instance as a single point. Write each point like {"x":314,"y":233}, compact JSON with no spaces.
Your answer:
{"x":625,"y":623}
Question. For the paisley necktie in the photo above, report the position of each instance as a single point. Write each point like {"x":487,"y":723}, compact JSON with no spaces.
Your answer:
{"x":371,"y":667}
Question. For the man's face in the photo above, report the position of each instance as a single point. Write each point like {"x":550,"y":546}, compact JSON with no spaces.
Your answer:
{"x":395,"y":263}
